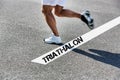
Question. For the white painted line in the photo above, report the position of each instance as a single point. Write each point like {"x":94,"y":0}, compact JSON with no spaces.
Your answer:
{"x":62,"y":50}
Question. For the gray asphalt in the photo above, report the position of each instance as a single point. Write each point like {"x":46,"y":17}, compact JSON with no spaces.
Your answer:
{"x":22,"y":29}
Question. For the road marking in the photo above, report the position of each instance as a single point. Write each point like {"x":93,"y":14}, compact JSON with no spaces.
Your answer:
{"x":67,"y":47}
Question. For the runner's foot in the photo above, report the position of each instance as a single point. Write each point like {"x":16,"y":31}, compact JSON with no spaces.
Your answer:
{"x":86,"y":17}
{"x":53,"y":40}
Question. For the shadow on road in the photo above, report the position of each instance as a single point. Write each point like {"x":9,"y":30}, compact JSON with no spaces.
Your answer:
{"x":102,"y":56}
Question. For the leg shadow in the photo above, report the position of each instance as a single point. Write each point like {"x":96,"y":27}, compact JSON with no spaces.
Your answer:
{"x":102,"y":56}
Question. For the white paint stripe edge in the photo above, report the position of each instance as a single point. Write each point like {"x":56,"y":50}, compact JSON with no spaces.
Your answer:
{"x":86,"y":37}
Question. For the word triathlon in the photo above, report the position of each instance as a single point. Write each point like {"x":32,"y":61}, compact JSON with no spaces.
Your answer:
{"x":62,"y":49}
{"x":67,"y":47}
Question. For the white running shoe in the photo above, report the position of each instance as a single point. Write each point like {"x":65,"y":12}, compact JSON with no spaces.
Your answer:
{"x":53,"y":40}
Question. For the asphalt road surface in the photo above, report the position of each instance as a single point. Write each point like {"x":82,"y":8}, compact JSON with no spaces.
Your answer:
{"x":23,"y":27}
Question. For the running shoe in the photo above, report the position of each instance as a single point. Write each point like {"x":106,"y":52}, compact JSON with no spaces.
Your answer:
{"x":86,"y":17}
{"x":53,"y":40}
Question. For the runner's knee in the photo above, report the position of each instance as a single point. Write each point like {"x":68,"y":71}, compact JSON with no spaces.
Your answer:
{"x":46,"y":10}
{"x":58,"y":13}
{"x":58,"y":10}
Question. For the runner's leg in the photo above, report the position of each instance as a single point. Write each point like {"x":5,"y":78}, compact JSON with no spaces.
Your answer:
{"x":85,"y":17}
{"x":59,"y":11}
{"x":47,"y":11}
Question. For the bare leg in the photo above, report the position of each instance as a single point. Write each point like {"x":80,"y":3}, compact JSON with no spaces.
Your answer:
{"x":59,"y":11}
{"x":47,"y":10}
